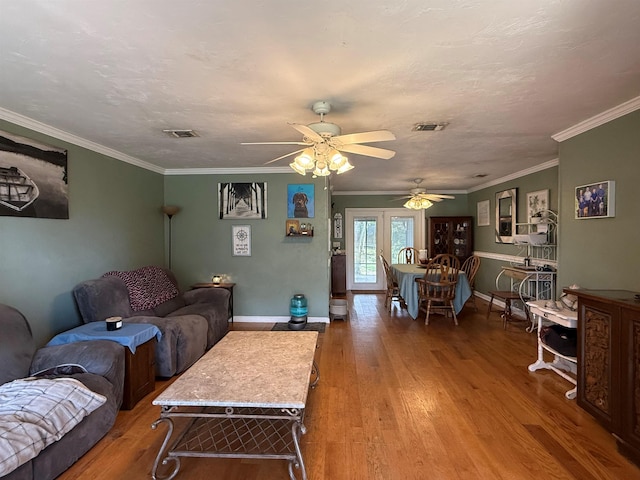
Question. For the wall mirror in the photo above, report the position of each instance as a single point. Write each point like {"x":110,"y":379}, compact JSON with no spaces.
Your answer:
{"x":506,"y":215}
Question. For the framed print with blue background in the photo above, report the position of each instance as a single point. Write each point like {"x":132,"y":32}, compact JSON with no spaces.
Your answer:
{"x":300,"y":201}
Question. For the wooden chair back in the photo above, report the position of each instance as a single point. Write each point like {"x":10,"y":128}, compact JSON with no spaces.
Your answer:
{"x":393,"y":290}
{"x":408,"y":255}
{"x":470,"y":268}
{"x":441,"y":277}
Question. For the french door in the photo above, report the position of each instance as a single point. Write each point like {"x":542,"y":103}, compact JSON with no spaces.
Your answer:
{"x":371,"y":231}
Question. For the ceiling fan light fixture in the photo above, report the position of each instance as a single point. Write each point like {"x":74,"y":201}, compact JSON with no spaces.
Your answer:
{"x":417,"y":203}
{"x":346,"y":167}
{"x":337,"y":160}
{"x":305,"y":159}
{"x":297,"y":168}
{"x":321,"y":170}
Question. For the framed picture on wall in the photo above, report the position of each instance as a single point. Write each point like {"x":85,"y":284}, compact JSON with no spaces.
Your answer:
{"x":536,"y":202}
{"x":241,"y":240}
{"x":292,"y":227}
{"x":33,"y":178}
{"x":484,"y":217}
{"x":242,"y":200}
{"x":595,"y":200}
{"x":300,"y":201}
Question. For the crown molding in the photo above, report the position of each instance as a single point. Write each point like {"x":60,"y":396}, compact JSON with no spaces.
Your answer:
{"x":597,"y":120}
{"x":396,"y":192}
{"x":58,"y":134}
{"x":227,"y":171}
{"x":522,"y":173}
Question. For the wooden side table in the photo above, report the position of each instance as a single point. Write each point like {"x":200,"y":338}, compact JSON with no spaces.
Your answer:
{"x":138,"y":340}
{"x":226,"y":286}
{"x":139,"y":374}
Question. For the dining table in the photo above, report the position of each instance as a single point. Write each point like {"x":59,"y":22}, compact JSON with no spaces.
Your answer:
{"x":406,"y":274}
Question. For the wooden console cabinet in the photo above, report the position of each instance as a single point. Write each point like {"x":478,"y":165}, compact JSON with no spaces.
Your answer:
{"x":609,"y":363}
{"x":338,"y":275}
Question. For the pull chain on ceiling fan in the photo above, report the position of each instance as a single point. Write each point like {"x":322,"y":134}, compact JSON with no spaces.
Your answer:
{"x":323,"y":143}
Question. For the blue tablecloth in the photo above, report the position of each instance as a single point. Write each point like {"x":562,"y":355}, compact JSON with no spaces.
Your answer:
{"x":130,"y":335}
{"x":407,"y":274}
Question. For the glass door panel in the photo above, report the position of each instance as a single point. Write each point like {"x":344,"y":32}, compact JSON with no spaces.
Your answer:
{"x":370,"y":232}
{"x":364,"y":250}
{"x":402,"y":235}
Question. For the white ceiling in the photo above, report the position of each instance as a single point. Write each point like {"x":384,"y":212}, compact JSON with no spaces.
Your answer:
{"x":506,"y":75}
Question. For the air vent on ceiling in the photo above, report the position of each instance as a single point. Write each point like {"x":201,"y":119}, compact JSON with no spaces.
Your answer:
{"x":429,"y":126}
{"x":480,"y":175}
{"x":181,"y":133}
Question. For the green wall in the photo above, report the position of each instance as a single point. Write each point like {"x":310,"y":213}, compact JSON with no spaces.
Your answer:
{"x":278,"y":267}
{"x":114,"y":223}
{"x":485,"y":238}
{"x":602,"y":252}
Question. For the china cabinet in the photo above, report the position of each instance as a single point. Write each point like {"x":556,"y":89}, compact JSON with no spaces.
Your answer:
{"x":452,"y":235}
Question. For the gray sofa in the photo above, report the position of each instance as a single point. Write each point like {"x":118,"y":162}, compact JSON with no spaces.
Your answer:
{"x":103,"y":362}
{"x":190,"y":322}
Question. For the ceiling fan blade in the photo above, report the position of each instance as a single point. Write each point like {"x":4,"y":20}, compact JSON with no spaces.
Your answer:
{"x":365,"y":137}
{"x":368,"y":151}
{"x":275,"y":143}
{"x":284,"y":156}
{"x":433,"y":196}
{"x":307,"y":132}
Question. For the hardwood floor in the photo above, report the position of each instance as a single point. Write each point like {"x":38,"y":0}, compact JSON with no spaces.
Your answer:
{"x":401,"y":400}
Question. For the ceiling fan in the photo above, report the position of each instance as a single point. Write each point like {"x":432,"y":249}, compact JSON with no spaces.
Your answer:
{"x":323,"y":144}
{"x":420,"y":199}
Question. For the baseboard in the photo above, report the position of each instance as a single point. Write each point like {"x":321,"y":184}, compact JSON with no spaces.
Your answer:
{"x":268,"y":319}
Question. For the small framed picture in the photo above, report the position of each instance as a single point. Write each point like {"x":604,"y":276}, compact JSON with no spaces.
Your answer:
{"x":536,"y":202}
{"x":595,"y":200}
{"x":293,"y":227}
{"x":241,"y":240}
{"x":484,"y":219}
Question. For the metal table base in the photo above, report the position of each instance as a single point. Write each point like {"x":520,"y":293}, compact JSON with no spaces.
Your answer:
{"x":233,"y":432}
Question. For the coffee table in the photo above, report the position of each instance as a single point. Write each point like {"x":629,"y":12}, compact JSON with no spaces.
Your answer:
{"x":245,"y":398}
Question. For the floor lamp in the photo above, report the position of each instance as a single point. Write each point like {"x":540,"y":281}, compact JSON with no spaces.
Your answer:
{"x":170,"y":211}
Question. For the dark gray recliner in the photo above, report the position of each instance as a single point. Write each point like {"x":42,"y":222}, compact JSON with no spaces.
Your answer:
{"x":104,"y":360}
{"x":190,"y":323}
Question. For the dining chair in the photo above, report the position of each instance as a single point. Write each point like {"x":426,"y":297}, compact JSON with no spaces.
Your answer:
{"x":393,"y":289}
{"x":437,"y":289}
{"x":470,"y":267}
{"x":408,"y":255}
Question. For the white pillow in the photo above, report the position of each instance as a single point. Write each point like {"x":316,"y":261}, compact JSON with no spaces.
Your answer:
{"x":34,"y":413}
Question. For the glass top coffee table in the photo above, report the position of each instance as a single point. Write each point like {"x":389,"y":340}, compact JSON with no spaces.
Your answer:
{"x":245,"y":398}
